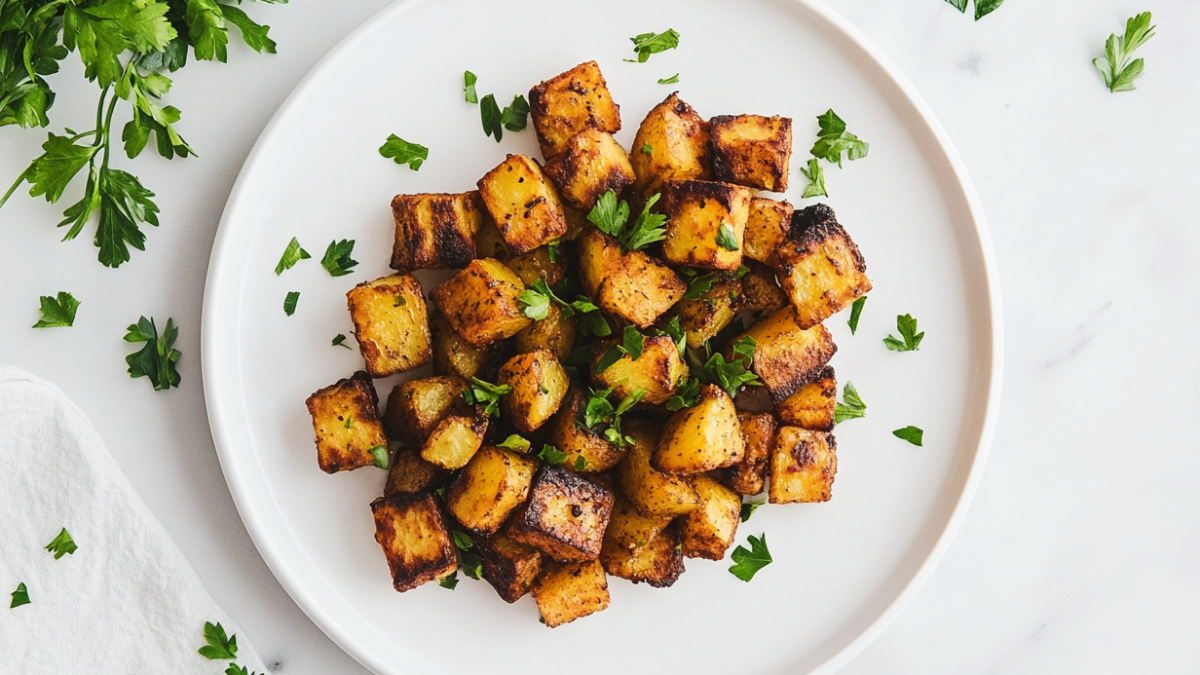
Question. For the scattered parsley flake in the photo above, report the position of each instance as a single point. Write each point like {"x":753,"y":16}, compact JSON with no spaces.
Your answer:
{"x":749,"y":508}
{"x":516,"y":115}
{"x":602,"y":417}
{"x":339,"y":340}
{"x":403,"y":152}
{"x":653,"y":43}
{"x":62,"y":545}
{"x":469,"y":80}
{"x":157,"y":359}
{"x":489,"y":395}
{"x":670,"y":80}
{"x":399,"y":301}
{"x":515,"y":442}
{"x":816,"y":180}
{"x":833,"y":140}
{"x":469,"y":558}
{"x":748,"y":563}
{"x":380,"y":453}
{"x":20,"y":596}
{"x":289,"y":302}
{"x":57,"y":312}
{"x":611,"y":216}
{"x":853,"y":408}
{"x":219,"y":646}
{"x":914,"y":435}
{"x":337,"y":260}
{"x":647,"y":149}
{"x":726,"y":239}
{"x":1118,"y":71}
{"x":580,"y":463}
{"x":489,"y":113}
{"x":552,"y":455}
{"x":907,"y":326}
{"x":349,"y":424}
{"x":449,"y":581}
{"x":855,"y":313}
{"x":291,"y":255}
{"x":982,"y":7}
{"x":687,"y":395}
{"x":634,"y":342}
{"x":733,"y":374}
{"x":699,"y":284}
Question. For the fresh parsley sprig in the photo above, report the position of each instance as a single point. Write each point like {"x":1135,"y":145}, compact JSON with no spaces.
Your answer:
{"x":601,"y":416}
{"x":982,"y":7}
{"x":515,"y":442}
{"x":157,"y":359}
{"x":337,"y":260}
{"x":535,"y":304}
{"x":404,"y":152}
{"x":1118,"y":70}
{"x":485,"y":393}
{"x":816,"y":180}
{"x":20,"y":596}
{"x":907,"y":326}
{"x":62,"y":545}
{"x":735,"y":373}
{"x":834,"y":141}
{"x":914,"y":435}
{"x":220,"y":646}
{"x":687,"y":395}
{"x":853,"y":408}
{"x":495,"y":121}
{"x":552,"y":455}
{"x":611,"y":216}
{"x":291,"y":255}
{"x":749,"y":508}
{"x":653,"y":43}
{"x":747,"y":563}
{"x":470,"y":560}
{"x":57,"y":311}
{"x":632,"y":343}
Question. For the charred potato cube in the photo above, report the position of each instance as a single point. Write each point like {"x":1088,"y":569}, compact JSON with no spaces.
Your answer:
{"x":748,"y":477}
{"x":566,"y":591}
{"x":523,"y":203}
{"x":704,"y":317}
{"x":453,"y":355}
{"x":653,"y":492}
{"x":702,"y":438}
{"x":482,"y":303}
{"x":346,"y":422}
{"x":760,"y":291}
{"x":410,"y":473}
{"x":678,"y":143}
{"x":633,"y":285}
{"x":629,"y":530}
{"x":568,"y":434}
{"x":435,"y":230}
{"x":708,"y":531}
{"x":537,"y":264}
{"x":455,"y":440}
{"x":658,"y":371}
{"x":701,"y":213}
{"x":592,"y":163}
{"x":658,"y":563}
{"x":557,"y":333}
{"x":391,"y":324}
{"x":416,"y":407}
{"x":819,"y":267}
{"x":803,"y":464}
{"x":569,"y":103}
{"x":766,"y":228}
{"x":491,"y":485}
{"x":538,"y":383}
{"x":752,"y":150}
{"x":813,"y":406}
{"x":413,"y":535}
{"x":510,"y":567}
{"x":565,"y":516}
{"x":786,"y":353}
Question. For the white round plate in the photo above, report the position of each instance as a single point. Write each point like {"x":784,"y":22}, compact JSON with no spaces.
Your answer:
{"x":841,"y":569}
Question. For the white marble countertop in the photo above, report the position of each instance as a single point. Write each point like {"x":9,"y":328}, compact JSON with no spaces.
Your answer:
{"x":1081,"y":551}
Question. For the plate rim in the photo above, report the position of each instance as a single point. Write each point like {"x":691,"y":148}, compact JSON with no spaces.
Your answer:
{"x":221,"y":427}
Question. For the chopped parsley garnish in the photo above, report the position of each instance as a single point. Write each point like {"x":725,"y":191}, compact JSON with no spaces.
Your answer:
{"x":907,"y":326}
{"x":516,"y":115}
{"x":489,"y":395}
{"x":699,"y":284}
{"x":552,"y":455}
{"x":289,"y":302}
{"x":726,"y":239}
{"x":219,"y":645}
{"x":734,"y":374}
{"x":62,"y":545}
{"x":687,"y":395}
{"x":339,"y":340}
{"x":20,"y":596}
{"x":235,"y":669}
{"x":855,"y":312}
{"x":748,"y":563}
{"x":982,"y":7}
{"x":914,"y":435}
{"x":469,"y":80}
{"x":670,"y":80}
{"x":490,"y":114}
{"x":337,"y":260}
{"x":535,"y":300}
{"x":816,"y":180}
{"x":675,"y":332}
{"x":291,"y":255}
{"x":1118,"y":70}
{"x":380,"y":453}
{"x":749,"y":508}
{"x":469,"y":559}
{"x":601,"y":416}
{"x":403,"y":152}
{"x":833,"y":140}
{"x":647,"y":149}
{"x":611,"y":216}
{"x":157,"y":359}
{"x":535,"y":304}
{"x":653,"y":43}
{"x":349,"y":424}
{"x":853,"y":407}
{"x":632,"y":343}
{"x":580,"y":463}
{"x":450,"y":581}
{"x":399,"y":301}
{"x":515,"y":442}
{"x":57,"y":312}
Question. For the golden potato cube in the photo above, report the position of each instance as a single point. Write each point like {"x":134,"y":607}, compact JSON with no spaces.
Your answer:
{"x":489,"y":243}
{"x":752,"y":150}
{"x":413,"y":535}
{"x":812,"y":407}
{"x":410,"y":473}
{"x":481,"y":302}
{"x":455,"y":440}
{"x":708,"y":531}
{"x":391,"y":324}
{"x":632,"y":286}
{"x":702,"y":214}
{"x":760,"y":291}
{"x":803,"y":464}
{"x":452,"y":355}
{"x":766,"y":228}
{"x":510,"y":567}
{"x":658,"y":563}
{"x":570,"y":103}
{"x":629,"y":530}
{"x":416,"y":407}
{"x":492,"y":484}
{"x":557,"y":333}
{"x":523,"y":203}
{"x":701,"y":438}
{"x":346,"y":422}
{"x":819,"y":267}
{"x":748,"y":477}
{"x":653,"y":492}
{"x":571,"y":590}
{"x":678,"y":146}
{"x":536,"y":264}
{"x":592,"y":163}
{"x":701,"y":319}
{"x":658,"y":371}
{"x":435,"y":230}
{"x":786,"y":353}
{"x":538,"y":383}
{"x":567,"y":433}
{"x":565,"y":516}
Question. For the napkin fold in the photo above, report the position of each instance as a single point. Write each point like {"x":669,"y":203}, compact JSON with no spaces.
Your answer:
{"x":126,"y":601}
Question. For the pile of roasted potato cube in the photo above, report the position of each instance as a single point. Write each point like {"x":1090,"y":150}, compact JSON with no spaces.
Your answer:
{"x":671,"y":486}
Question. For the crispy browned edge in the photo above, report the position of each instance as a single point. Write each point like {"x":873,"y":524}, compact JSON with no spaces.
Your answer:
{"x":725,"y":168}
{"x":443,"y":244}
{"x":447,"y":560}
{"x":529,"y":526}
{"x":366,"y":399}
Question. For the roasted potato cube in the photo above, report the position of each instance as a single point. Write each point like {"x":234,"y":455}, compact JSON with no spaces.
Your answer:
{"x":748,"y":477}
{"x":653,"y":492}
{"x":481,"y":302}
{"x":760,"y":292}
{"x":492,"y":484}
{"x":678,"y":143}
{"x":819,"y":267}
{"x":702,"y":214}
{"x":632,"y":286}
{"x":569,"y":103}
{"x":701,"y":438}
{"x":391,"y":324}
{"x":701,"y":319}
{"x":658,"y":371}
{"x":536,"y":264}
{"x":489,"y":243}
{"x":416,"y":407}
{"x":346,"y":422}
{"x":571,"y":590}
{"x":803,"y":464}
{"x":510,"y":567}
{"x":538,"y":383}
{"x":565,"y":516}
{"x":435,"y":231}
{"x":557,"y":333}
{"x":766,"y":228}
{"x":413,"y":535}
{"x":752,"y":150}
{"x":708,"y":531}
{"x":592,"y":163}
{"x":812,"y":407}
{"x":455,"y":440}
{"x":569,"y":435}
{"x":658,"y":563}
{"x":786,"y":353}
{"x":629,"y":530}
{"x":452,"y":355}
{"x":523,"y":203}
{"x":410,"y":473}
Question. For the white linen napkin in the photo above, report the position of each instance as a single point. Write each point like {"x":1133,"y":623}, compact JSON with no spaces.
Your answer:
{"x":126,"y":601}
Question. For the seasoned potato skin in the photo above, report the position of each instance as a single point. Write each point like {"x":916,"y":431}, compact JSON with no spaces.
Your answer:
{"x":538,"y":383}
{"x":412,"y":533}
{"x":452,"y":355}
{"x":565,"y":516}
{"x":658,"y":563}
{"x":708,"y":531}
{"x":752,"y":150}
{"x":556,"y":333}
{"x":679,"y":146}
{"x":566,"y":591}
{"x":703,"y":318}
{"x":803,"y":466}
{"x":697,"y":210}
{"x":653,"y":492}
{"x":629,"y":530}
{"x":490,"y":486}
{"x":571,"y":438}
{"x":749,"y":476}
{"x":455,"y":440}
{"x":766,"y":228}
{"x":658,"y":371}
{"x":632,"y":286}
{"x":435,"y":230}
{"x":523,"y":203}
{"x":481,"y":302}
{"x":702,"y":438}
{"x":416,"y":407}
{"x":592,"y":163}
{"x":819,"y":267}
{"x":569,"y":103}
{"x":813,"y":406}
{"x":340,"y":448}
{"x":760,"y":292}
{"x":391,"y":323}
{"x":787,"y":353}
{"x":509,"y":566}
{"x":411,"y":474}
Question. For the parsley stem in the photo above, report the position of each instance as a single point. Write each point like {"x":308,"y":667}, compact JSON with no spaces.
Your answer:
{"x":107,"y":131}
{"x":100,"y":114}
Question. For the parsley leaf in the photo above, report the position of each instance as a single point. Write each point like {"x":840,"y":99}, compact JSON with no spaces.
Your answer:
{"x":235,"y":669}
{"x":614,"y":354}
{"x":552,"y":455}
{"x":535,"y":301}
{"x":687,"y":395}
{"x":908,"y":330}
{"x":699,"y":284}
{"x":469,"y":558}
{"x":647,"y":149}
{"x":57,"y":312}
{"x":291,"y":255}
{"x":380,"y":453}
{"x":726,"y":239}
{"x":669,"y":80}
{"x":219,"y":646}
{"x":124,"y":203}
{"x":748,"y":509}
{"x":634,"y":342}
{"x":20,"y":596}
{"x":449,"y":581}
{"x":469,"y":80}
{"x":489,"y":395}
{"x":62,"y":545}
{"x":675,"y":332}
{"x":515,"y":442}
{"x":601,"y":416}
{"x":911,"y":434}
{"x":337,"y":260}
{"x":855,"y":313}
{"x":516,"y":115}
{"x":853,"y":408}
{"x":816,"y":180}
{"x":611,"y":216}
{"x":403,"y":152}
{"x":734,"y":374}
{"x":748,"y":563}
{"x":982,"y":7}
{"x":833,"y":140}
{"x":653,"y":43}
{"x":339,"y":340}
{"x":289,"y":302}
{"x":157,"y":359}
{"x":580,"y":463}
{"x":493,"y":122}
{"x":1118,"y":71}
